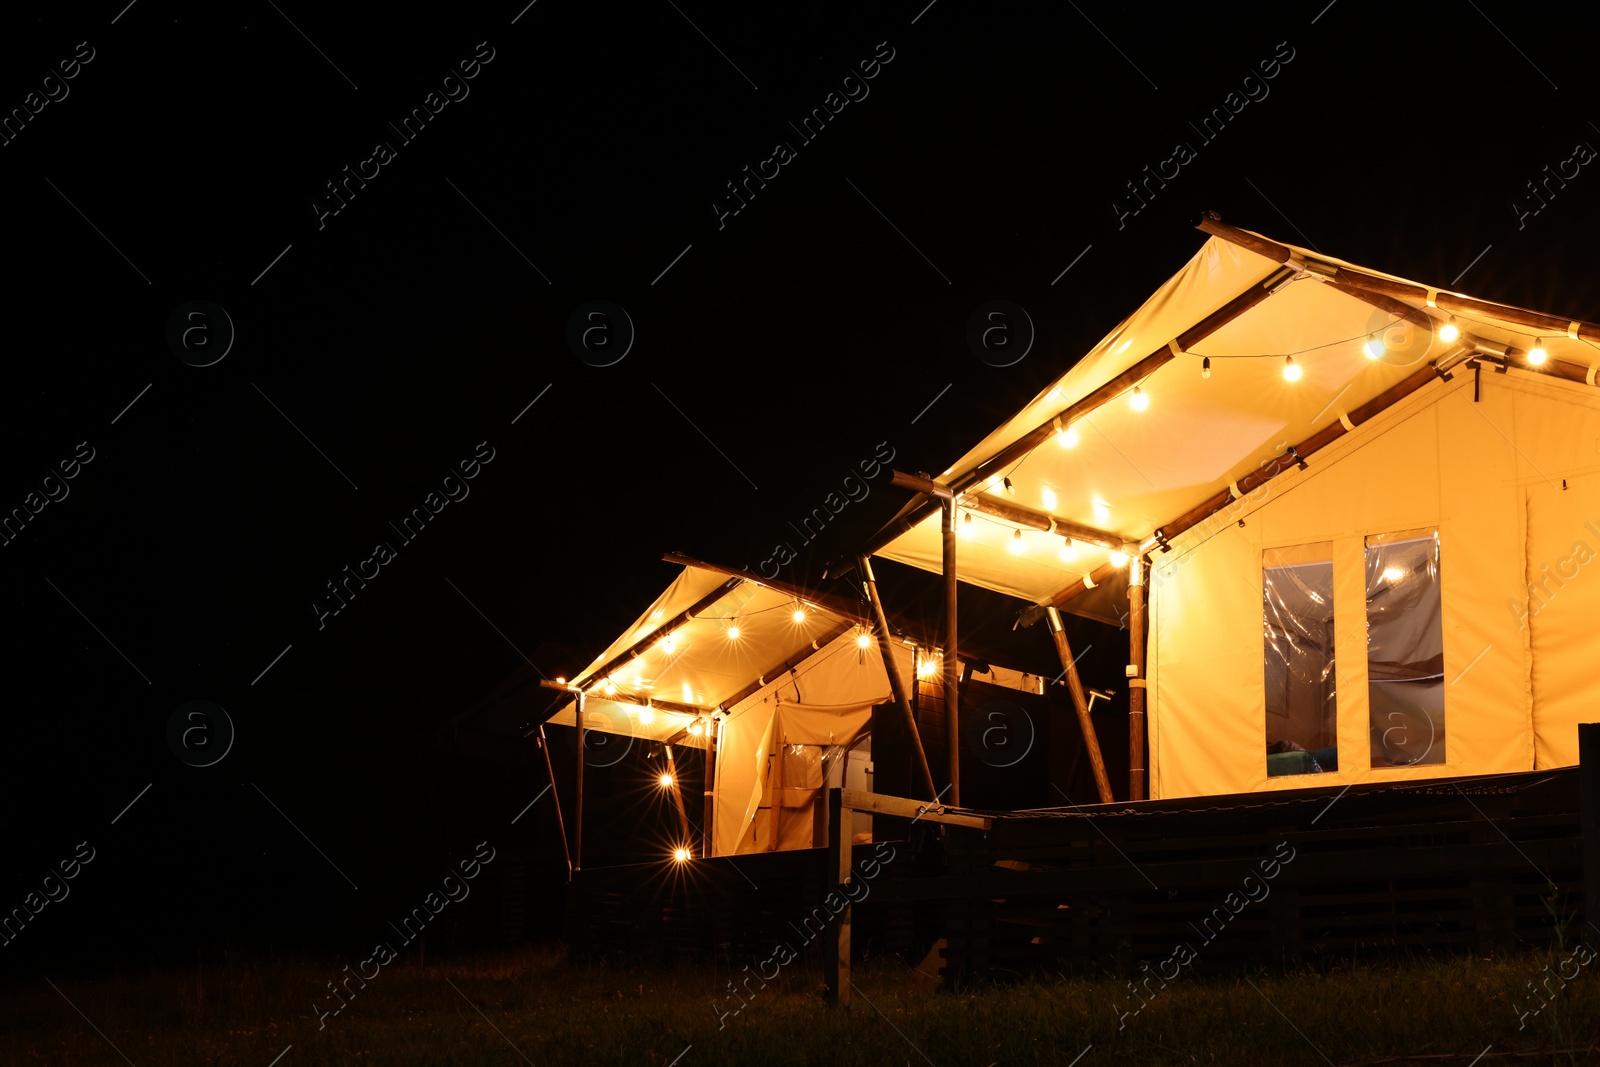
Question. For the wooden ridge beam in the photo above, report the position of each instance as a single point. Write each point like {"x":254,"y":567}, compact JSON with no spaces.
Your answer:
{"x":1022,"y":515}
{"x":1359,"y":282}
{"x":825,"y":601}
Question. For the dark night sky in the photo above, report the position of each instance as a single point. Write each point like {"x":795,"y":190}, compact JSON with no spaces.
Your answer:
{"x":376,"y":348}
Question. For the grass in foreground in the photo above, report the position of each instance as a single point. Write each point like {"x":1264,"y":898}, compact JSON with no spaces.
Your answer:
{"x":538,"y":1008}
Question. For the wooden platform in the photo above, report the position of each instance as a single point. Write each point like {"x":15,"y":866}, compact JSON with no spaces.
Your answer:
{"x":1311,"y":876}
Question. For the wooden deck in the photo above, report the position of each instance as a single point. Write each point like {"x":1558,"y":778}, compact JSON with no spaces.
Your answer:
{"x":1292,"y":878}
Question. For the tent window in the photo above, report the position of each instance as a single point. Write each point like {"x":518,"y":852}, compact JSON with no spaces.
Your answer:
{"x":1405,"y":649}
{"x":1302,"y":704}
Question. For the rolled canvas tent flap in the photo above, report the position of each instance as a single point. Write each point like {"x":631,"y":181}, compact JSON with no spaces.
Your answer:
{"x":792,"y":766}
{"x":840,"y":684}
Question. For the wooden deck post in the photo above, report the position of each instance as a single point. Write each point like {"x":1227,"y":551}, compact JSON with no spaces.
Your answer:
{"x":897,"y":685}
{"x":1589,"y":805}
{"x":1080,"y":704}
{"x":555,"y":798}
{"x":1136,"y":689}
{"x":952,"y":665}
{"x":839,"y":859}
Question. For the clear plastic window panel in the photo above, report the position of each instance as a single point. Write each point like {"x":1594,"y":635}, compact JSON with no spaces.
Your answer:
{"x":1405,"y":649}
{"x":1301,"y":689}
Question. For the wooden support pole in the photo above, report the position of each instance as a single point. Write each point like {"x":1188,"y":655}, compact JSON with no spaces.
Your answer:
{"x":1136,"y":688}
{"x":577,"y":803}
{"x":677,"y":797}
{"x":555,"y":798}
{"x":713,"y":735}
{"x":1080,"y":704}
{"x":1589,"y":806}
{"x":952,"y":665}
{"x":838,"y":961}
{"x":897,"y":685}
{"x":775,"y":786}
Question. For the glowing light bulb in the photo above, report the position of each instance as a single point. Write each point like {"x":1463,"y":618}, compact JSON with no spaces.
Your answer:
{"x":647,"y":716}
{"x":1016,"y":546}
{"x":966,"y":524}
{"x":1374,"y":347}
{"x":666,"y":781}
{"x":799,"y":612}
{"x":1010,"y":490}
{"x":668,"y":643}
{"x":1138,"y":401}
{"x":1067,"y":438}
{"x":1537,"y":354}
{"x":681,"y":855}
{"x":1291,"y":369}
{"x":1205,"y":367}
{"x":1069,"y":551}
{"x":734,"y":632}
{"x":610,"y":687}
{"x":863,"y":640}
{"x":1048,"y":496}
{"x":1119,"y":559}
{"x":560,"y":680}
{"x":1449,"y":331}
{"x":697,"y":727}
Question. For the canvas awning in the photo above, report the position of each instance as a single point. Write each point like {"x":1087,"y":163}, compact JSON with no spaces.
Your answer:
{"x":709,"y":640}
{"x":1245,"y":303}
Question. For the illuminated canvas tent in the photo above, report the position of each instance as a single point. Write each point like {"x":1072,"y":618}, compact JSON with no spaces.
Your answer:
{"x":1378,"y":570}
{"x":775,"y":682}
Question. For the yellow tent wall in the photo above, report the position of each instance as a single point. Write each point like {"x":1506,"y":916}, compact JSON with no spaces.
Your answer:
{"x":1512,"y":484}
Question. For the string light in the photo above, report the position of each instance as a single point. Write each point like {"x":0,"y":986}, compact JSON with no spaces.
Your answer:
{"x":1069,"y":551}
{"x":610,"y":687}
{"x":1291,"y":369}
{"x":647,"y":715}
{"x":1537,"y":355}
{"x":1010,"y":490}
{"x":1205,"y":367}
{"x":1067,"y":437}
{"x":734,"y":632}
{"x":1119,"y":559}
{"x":1138,"y":401}
{"x":1374,"y":347}
{"x":863,"y":640}
{"x":681,"y":855}
{"x":1449,"y":331}
{"x":666,"y":781}
{"x":1017,"y":547}
{"x":668,"y":643}
{"x":1048,"y":496}
{"x":966,"y":524}
{"x":697,"y":727}
{"x":799,"y":612}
